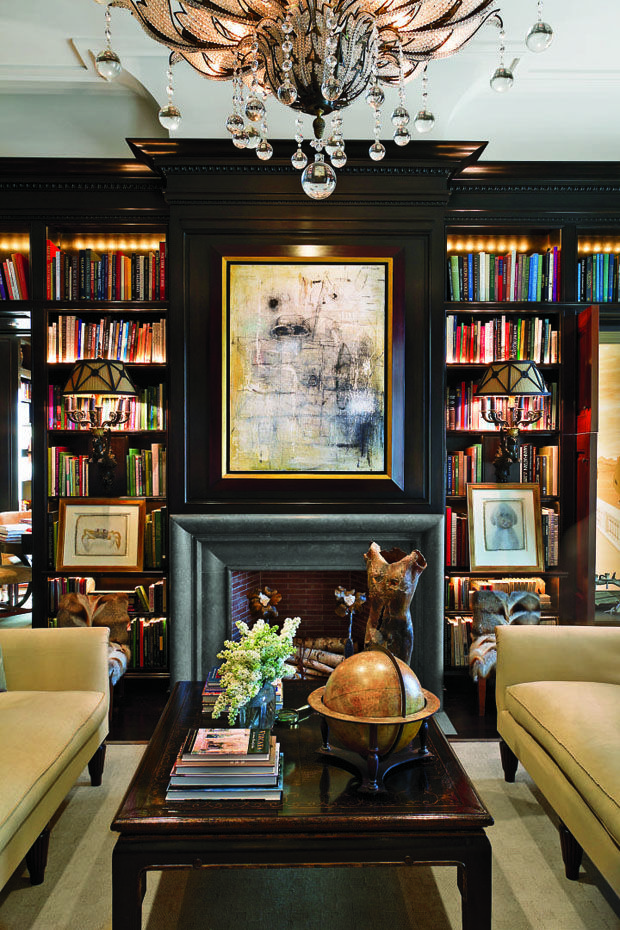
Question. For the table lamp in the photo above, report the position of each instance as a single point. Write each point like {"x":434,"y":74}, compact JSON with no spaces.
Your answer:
{"x":514,"y":380}
{"x":99,"y":379}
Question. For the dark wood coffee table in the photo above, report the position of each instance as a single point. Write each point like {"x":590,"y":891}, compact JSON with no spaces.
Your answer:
{"x":431,"y":814}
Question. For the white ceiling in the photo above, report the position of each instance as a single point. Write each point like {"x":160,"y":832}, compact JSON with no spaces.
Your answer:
{"x":563,"y":106}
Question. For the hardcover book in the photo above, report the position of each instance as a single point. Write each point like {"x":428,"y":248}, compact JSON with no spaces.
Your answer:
{"x":223,"y":744}
{"x":228,"y":792}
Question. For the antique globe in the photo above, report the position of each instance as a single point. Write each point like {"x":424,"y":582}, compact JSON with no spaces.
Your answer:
{"x":373,"y":696}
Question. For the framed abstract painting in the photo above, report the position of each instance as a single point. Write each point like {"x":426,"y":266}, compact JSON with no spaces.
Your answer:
{"x":307,"y":367}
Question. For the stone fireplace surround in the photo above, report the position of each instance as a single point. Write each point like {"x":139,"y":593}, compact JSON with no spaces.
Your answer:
{"x":206,"y":548}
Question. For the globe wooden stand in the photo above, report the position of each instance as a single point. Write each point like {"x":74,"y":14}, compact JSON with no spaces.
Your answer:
{"x":371,"y":766}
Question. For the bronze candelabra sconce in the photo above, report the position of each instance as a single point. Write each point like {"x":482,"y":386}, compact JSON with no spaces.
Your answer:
{"x":98,"y":380}
{"x":514,"y":380}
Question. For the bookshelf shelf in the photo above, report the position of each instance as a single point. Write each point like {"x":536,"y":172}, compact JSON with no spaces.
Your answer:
{"x":128,"y":328}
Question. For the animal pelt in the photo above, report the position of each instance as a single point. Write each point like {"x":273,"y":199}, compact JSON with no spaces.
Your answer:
{"x":96,"y":610}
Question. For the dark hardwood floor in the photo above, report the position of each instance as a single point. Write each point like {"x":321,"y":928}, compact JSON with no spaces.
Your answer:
{"x":139,"y":703}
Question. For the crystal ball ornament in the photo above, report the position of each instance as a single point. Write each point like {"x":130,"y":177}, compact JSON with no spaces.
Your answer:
{"x":264,"y":150}
{"x":400,"y":117}
{"x":401,"y":135}
{"x":170,"y":117}
{"x":253,"y":138}
{"x":339,"y":158}
{"x":299,"y":159}
{"x":539,"y":37}
{"x":424,"y":121}
{"x":377,"y":151}
{"x":287,"y":93}
{"x":502,"y":80}
{"x":108,"y":64}
{"x":255,"y":109}
{"x":318,"y":179}
{"x":234,"y":123}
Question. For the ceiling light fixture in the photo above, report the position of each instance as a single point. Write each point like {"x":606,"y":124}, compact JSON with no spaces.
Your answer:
{"x":315,"y":56}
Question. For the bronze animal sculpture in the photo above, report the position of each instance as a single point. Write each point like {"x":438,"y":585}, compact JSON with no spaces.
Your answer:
{"x":392,"y":580}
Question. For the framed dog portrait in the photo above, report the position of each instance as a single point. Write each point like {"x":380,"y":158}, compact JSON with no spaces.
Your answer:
{"x":504,"y":522}
{"x":105,"y":534}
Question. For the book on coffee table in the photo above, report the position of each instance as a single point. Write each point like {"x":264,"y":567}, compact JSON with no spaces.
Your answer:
{"x":236,"y":776}
{"x":215,"y":766}
{"x":228,"y":792}
{"x":222,"y":745}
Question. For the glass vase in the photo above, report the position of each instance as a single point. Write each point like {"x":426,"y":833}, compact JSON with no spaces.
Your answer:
{"x":260,"y":711}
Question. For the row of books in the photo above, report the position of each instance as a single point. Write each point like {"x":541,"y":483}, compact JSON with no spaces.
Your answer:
{"x":227,"y":764}
{"x":462,"y":468}
{"x":459,"y":589}
{"x":458,"y":641}
{"x":457,"y":538}
{"x":147,"y":411}
{"x":464,"y":408}
{"x":155,"y":534}
{"x":147,"y":471}
{"x":212,"y":689}
{"x":67,"y":584}
{"x":598,"y":277}
{"x":67,"y":474}
{"x":69,"y":338}
{"x":551,"y":536}
{"x":499,"y":339}
{"x":152,"y":598}
{"x":14,"y":277}
{"x":540,"y":465}
{"x":112,"y":275}
{"x":511,"y":276}
{"x":148,"y":641}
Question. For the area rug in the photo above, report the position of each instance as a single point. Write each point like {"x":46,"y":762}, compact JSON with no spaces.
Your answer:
{"x":530,"y":891}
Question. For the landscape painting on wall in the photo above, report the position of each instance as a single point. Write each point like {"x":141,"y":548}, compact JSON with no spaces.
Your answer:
{"x":307,"y":366}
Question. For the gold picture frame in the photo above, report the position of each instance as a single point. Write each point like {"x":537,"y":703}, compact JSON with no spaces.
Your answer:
{"x":100,"y":534}
{"x":307,"y":367}
{"x":505,"y":532}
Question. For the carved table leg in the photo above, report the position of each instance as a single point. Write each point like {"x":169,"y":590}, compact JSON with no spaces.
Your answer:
{"x":36,"y":857}
{"x":95,"y":766}
{"x":509,"y":761}
{"x":571,"y":852}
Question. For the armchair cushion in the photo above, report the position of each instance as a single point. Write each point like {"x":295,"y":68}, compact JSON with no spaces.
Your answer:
{"x":577,"y":723}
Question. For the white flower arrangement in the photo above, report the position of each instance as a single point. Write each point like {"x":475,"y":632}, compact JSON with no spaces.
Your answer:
{"x":257,"y":658}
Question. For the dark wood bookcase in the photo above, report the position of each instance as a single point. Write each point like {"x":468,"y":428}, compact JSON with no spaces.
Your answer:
{"x":203,"y":197}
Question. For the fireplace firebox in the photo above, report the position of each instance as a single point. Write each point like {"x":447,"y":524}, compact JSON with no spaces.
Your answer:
{"x":207,"y":549}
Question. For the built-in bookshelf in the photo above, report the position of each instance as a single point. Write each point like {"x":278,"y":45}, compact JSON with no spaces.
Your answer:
{"x":105,"y":297}
{"x":504,"y":293}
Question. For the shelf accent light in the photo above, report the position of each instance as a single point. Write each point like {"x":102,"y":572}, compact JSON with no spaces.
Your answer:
{"x":97,"y":379}
{"x":514,"y":380}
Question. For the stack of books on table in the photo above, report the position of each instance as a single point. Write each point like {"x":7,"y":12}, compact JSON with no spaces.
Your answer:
{"x":13,"y":532}
{"x":213,"y":688}
{"x":227,"y":765}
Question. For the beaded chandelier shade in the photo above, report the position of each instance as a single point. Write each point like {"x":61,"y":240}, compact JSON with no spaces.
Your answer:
{"x":99,"y":376}
{"x":512,"y":379}
{"x":216,"y":39}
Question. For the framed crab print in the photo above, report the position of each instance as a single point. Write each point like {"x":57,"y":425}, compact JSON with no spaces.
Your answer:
{"x":106,"y":534}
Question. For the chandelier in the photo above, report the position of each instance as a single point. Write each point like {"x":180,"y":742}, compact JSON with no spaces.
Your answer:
{"x":314,"y":56}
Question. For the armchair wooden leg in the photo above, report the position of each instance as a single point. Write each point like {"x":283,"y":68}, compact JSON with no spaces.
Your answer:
{"x":95,"y":766}
{"x":509,"y":761}
{"x":36,"y":857}
{"x":571,"y":852}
